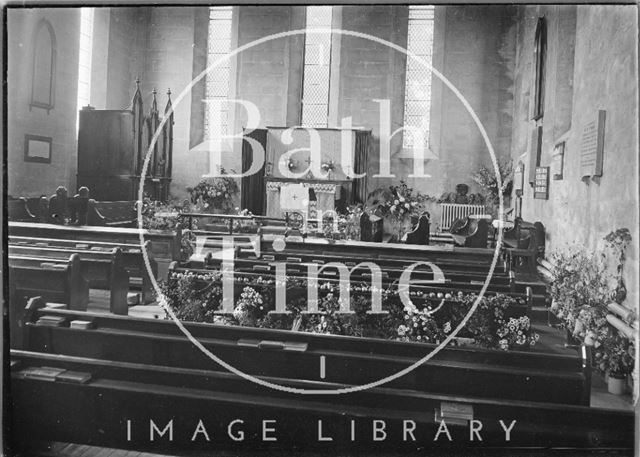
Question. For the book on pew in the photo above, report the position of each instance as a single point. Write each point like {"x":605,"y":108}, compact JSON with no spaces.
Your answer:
{"x":84,"y":325}
{"x":82,"y":246}
{"x":41,"y":373}
{"x":51,"y":321}
{"x":50,"y":305}
{"x":75,"y":377}
{"x":52,"y":266}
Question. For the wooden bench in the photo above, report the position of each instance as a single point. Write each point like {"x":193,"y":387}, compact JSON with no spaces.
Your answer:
{"x":102,"y":269}
{"x":132,"y":259}
{"x":92,"y":412}
{"x":254,"y":278}
{"x":390,"y":269}
{"x":525,"y":376}
{"x":18,"y":210}
{"x":463,"y":273}
{"x":57,"y":281}
{"x":165,"y":244}
{"x":420,"y":233}
{"x":112,"y":213}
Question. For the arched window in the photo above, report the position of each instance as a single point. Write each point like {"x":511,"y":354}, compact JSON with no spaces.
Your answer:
{"x":540,"y":51}
{"x":44,"y":66}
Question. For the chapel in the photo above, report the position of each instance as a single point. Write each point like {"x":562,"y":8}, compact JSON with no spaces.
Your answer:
{"x":349,"y":229}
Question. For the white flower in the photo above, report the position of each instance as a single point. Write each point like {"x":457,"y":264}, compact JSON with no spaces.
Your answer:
{"x":393,"y":208}
{"x":401,"y":198}
{"x":396,"y":202}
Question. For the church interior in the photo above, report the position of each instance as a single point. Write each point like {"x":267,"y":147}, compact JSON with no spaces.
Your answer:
{"x":312,"y":229}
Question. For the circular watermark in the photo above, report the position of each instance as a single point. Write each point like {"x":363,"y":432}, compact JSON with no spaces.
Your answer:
{"x":345,"y":390}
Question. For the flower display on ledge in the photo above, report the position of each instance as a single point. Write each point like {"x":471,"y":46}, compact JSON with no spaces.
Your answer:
{"x":434,"y":315}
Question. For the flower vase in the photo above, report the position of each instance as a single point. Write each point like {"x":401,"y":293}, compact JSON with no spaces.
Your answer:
{"x":617,"y":385}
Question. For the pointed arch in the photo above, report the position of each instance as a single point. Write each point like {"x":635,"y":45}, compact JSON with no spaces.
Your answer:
{"x":43,"y":70}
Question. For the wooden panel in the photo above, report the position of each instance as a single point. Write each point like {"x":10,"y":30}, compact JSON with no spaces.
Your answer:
{"x":105,"y":153}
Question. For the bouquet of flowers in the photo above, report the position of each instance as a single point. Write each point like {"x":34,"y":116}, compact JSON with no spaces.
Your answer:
{"x":250,"y":307}
{"x":215,"y":194}
{"x":403,"y":203}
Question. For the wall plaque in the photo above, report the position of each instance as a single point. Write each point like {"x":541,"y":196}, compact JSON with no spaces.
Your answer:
{"x":592,"y":146}
{"x":541,"y":187}
{"x":557,"y":163}
{"x":37,"y":148}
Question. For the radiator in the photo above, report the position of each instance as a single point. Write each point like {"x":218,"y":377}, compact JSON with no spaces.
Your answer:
{"x":452,"y":211}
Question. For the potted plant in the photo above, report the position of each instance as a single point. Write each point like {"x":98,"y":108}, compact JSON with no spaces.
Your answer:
{"x":615,"y":357}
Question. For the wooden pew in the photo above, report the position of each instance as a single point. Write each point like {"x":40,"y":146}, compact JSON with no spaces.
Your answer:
{"x":92,"y":412}
{"x":132,"y":258}
{"x":112,"y":213}
{"x":18,"y":210}
{"x":524,"y":376}
{"x":266,"y":272}
{"x":479,"y":257}
{"x":102,"y":269}
{"x":58,"y":281}
{"x":420,"y":233}
{"x":470,"y":232}
{"x":165,"y":244}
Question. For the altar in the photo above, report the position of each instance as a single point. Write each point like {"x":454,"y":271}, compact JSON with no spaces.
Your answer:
{"x":299,"y":180}
{"x":320,"y":196}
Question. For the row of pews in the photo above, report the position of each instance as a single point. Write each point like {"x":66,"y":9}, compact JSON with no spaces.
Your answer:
{"x":79,"y":209}
{"x":117,"y":381}
{"x":104,"y":378}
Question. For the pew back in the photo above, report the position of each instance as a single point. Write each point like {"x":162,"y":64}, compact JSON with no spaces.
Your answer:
{"x":496,"y":374}
{"x":143,"y":391}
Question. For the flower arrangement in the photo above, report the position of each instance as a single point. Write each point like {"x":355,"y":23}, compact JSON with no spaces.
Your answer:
{"x":516,"y":334}
{"x":215,"y":194}
{"x":244,"y":226}
{"x":430,"y":320}
{"x":250,"y":308}
{"x":487,"y":180}
{"x":420,"y":326}
{"x":397,"y":204}
{"x":616,"y":355}
{"x":403,"y":203}
{"x":159,"y":216}
{"x":584,"y":284}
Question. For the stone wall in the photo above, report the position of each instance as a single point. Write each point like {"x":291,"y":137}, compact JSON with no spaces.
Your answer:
{"x":475,"y":49}
{"x":59,"y":124}
{"x":599,"y":72}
